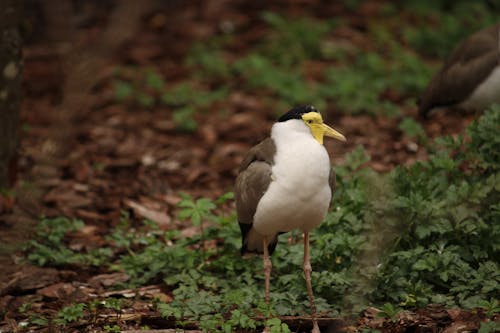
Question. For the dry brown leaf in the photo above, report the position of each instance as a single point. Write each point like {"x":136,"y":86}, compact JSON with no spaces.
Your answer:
{"x":58,"y":290}
{"x":159,"y":217}
{"x":108,"y":280}
{"x":30,"y":278}
{"x":148,"y":291}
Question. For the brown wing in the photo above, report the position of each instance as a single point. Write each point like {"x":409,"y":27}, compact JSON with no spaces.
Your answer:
{"x":467,"y":66}
{"x":252,"y":182}
{"x":332,"y":180}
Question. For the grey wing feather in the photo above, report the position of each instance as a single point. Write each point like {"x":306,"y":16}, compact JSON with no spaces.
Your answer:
{"x":332,"y":180}
{"x":253,"y":179}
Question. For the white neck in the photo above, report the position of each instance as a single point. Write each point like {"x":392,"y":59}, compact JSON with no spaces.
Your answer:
{"x":290,"y":128}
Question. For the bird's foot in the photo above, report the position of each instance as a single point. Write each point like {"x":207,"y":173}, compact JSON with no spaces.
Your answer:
{"x":315,"y":328}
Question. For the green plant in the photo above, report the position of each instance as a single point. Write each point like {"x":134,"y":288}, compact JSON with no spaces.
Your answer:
{"x":289,"y":86}
{"x":112,"y":329}
{"x":186,"y":100}
{"x":389,"y":311}
{"x":490,"y":307}
{"x":293,"y":40}
{"x":49,"y":248}
{"x":146,"y":88}
{"x":483,"y":150}
{"x":369,"y":330}
{"x":184,"y":120}
{"x":411,"y":128}
{"x":141,"y":87}
{"x":276,"y":326}
{"x":459,"y":20}
{"x":374,"y":83}
{"x":209,"y":61}
{"x":112,"y":303}
{"x":489,"y":327}
{"x":24,"y":307}
{"x":446,"y":210}
{"x":70,"y":313}
{"x":240,"y":320}
{"x":38,"y":320}
{"x":196,"y":211}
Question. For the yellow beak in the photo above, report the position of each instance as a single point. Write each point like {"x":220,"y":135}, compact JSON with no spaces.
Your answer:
{"x":322,"y":129}
{"x":333,"y":133}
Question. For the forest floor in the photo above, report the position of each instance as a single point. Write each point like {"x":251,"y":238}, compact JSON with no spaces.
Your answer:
{"x":96,"y":161}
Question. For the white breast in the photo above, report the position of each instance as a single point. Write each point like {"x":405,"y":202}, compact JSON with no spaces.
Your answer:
{"x":299,"y":195}
{"x":487,"y":93}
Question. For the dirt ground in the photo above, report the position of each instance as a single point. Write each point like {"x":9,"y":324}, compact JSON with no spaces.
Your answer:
{"x":83,"y":155}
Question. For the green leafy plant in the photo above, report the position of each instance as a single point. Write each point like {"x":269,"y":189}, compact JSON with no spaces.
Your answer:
{"x":146,"y":88}
{"x":365,"y":84}
{"x":33,"y":319}
{"x":240,"y":320}
{"x":195,"y":210}
{"x":389,"y":311}
{"x":208,"y":60}
{"x":49,"y":248}
{"x":290,"y":86}
{"x":38,"y":320}
{"x":489,"y":327}
{"x":112,"y":329}
{"x":112,"y":303}
{"x":412,"y":128}
{"x":293,"y":40}
{"x":70,"y":313}
{"x":490,"y":307}
{"x":276,"y":326}
{"x":141,"y":87}
{"x":24,"y":307}
{"x":446,"y":208}
{"x":457,"y":20}
{"x":370,"y":330}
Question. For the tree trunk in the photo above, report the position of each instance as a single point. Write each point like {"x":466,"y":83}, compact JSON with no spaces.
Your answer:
{"x":10,"y":88}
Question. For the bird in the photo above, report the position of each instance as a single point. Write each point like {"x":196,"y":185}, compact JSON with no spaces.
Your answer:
{"x":470,"y":77}
{"x":284,"y":183}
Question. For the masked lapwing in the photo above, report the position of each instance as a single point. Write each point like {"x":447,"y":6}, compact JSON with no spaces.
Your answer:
{"x":285,"y":183}
{"x":470,"y":77}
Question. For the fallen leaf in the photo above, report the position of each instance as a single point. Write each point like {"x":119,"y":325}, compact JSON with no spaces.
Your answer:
{"x":159,"y":217}
{"x":58,"y":290}
{"x":147,"y":291}
{"x":108,"y":280}
{"x":30,"y":278}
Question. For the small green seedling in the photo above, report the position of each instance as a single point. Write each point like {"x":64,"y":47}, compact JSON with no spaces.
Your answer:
{"x":389,"y":311}
{"x":70,"y":313}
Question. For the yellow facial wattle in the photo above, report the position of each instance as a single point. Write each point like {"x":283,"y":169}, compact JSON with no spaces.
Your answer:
{"x":320,"y":129}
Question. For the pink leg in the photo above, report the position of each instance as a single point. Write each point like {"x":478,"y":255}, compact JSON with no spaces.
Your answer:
{"x":267,"y":269}
{"x":307,"y":273}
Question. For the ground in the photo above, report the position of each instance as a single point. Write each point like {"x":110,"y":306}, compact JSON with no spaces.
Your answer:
{"x":96,"y":160}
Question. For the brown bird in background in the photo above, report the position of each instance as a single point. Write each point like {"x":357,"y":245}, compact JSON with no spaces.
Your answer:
{"x":470,"y":77}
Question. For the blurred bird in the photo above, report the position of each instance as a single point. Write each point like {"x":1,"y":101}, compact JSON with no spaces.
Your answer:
{"x":285,"y":183}
{"x":470,"y":77}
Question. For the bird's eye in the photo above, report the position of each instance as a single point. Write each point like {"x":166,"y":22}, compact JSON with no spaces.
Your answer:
{"x":309,"y":121}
